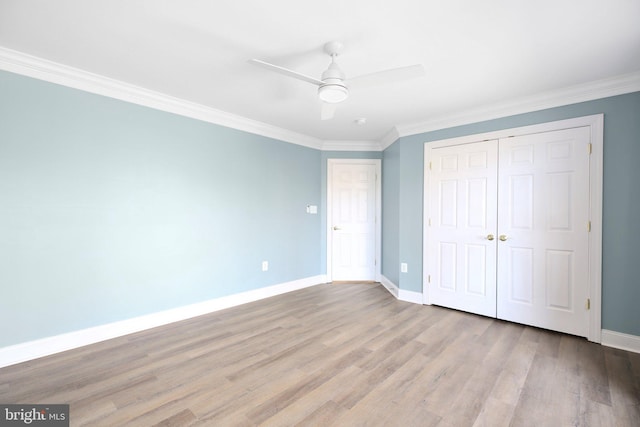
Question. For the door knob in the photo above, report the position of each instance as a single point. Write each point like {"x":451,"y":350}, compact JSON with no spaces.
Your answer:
{"x":490,"y":237}
{"x":503,"y":237}
{"x":335,"y":228}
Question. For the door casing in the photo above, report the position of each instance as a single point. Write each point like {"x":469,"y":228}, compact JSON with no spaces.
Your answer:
{"x":378,"y":207}
{"x":596,"y":125}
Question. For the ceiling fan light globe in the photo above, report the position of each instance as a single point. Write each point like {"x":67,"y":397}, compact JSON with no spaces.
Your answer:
{"x":333,"y":93}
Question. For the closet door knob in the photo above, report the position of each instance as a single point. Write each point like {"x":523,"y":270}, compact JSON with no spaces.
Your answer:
{"x":503,"y":237}
{"x":490,"y":237}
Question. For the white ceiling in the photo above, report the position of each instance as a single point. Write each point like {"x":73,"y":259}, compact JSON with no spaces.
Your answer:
{"x":476,"y":53}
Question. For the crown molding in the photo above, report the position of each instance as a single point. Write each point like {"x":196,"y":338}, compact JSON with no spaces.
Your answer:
{"x":351,"y":145}
{"x":389,"y":138}
{"x":598,"y":89}
{"x":42,"y":69}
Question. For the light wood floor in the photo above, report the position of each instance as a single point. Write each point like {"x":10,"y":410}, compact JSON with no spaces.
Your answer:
{"x":344,"y":355}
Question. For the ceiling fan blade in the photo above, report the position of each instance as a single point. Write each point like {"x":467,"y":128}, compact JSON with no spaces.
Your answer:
{"x":286,"y":72}
{"x":387,"y":76}
{"x":327,"y":111}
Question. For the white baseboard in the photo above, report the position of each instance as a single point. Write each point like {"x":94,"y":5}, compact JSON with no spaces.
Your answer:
{"x":621,"y":341}
{"x":410,"y":296}
{"x":389,"y":285}
{"x":46,"y":346}
{"x":401,"y":294}
{"x":609,"y":338}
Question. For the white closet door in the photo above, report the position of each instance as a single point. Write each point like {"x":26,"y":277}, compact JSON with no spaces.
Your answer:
{"x":461,"y":250}
{"x":543,"y":205}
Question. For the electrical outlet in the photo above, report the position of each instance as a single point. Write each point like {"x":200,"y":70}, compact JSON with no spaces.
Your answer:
{"x":265,"y":265}
{"x":403,"y":267}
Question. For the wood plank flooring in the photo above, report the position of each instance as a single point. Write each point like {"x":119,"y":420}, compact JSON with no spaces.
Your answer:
{"x":337,"y":354}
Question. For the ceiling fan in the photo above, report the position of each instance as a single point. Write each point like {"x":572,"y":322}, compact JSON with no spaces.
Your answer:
{"x":333,"y":86}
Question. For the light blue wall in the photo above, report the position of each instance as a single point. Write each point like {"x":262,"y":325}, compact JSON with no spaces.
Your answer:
{"x":110,"y":210}
{"x":621,"y":228}
{"x":391,"y":180}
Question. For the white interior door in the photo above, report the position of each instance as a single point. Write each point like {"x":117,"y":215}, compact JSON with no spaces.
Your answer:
{"x":352,"y":198}
{"x":543,"y":212}
{"x":461,"y":250}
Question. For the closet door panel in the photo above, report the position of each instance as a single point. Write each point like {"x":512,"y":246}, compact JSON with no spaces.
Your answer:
{"x":462,"y":197}
{"x":543,"y":194}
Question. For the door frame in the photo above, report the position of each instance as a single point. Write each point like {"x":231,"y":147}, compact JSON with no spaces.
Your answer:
{"x":378,"y":206}
{"x":596,"y":125}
